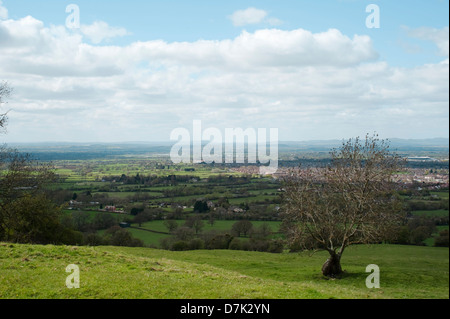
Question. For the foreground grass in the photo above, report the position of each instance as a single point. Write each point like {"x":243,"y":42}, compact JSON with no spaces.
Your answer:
{"x":28,"y":271}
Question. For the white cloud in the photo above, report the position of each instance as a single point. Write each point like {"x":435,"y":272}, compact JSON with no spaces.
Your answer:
{"x":274,"y":21}
{"x":253,"y":16}
{"x":3,"y":11}
{"x":248,"y":16}
{"x":440,"y":37}
{"x":100,"y":31}
{"x":263,"y":48}
{"x":309,"y":85}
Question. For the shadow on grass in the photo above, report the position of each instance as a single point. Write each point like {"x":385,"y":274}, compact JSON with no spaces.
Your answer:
{"x":345,"y":275}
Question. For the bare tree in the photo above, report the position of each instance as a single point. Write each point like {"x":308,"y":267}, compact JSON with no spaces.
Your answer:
{"x":196,"y":223}
{"x":241,"y":227}
{"x":5,"y":91}
{"x":171,"y":225}
{"x":351,"y":201}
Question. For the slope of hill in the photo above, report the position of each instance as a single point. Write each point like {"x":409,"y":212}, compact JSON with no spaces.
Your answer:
{"x":31,"y":271}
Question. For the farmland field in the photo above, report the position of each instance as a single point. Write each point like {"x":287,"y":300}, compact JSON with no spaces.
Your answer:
{"x":153,"y":238}
{"x":439,"y":212}
{"x":145,"y":195}
{"x":166,"y":191}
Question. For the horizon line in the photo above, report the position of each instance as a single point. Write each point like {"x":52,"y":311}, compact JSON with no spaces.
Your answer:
{"x":169,"y":141}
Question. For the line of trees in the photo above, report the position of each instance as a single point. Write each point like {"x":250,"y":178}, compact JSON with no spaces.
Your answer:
{"x":241,"y":236}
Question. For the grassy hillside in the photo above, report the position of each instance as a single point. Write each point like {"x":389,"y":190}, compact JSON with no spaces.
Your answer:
{"x":28,"y":271}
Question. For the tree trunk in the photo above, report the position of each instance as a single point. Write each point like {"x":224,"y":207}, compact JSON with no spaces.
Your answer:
{"x":332,"y":267}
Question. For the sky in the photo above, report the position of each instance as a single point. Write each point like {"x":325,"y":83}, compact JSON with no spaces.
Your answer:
{"x":136,"y":70}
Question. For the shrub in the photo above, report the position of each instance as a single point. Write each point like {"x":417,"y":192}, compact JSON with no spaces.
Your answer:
{"x":442,"y":239}
{"x":419,"y":234}
{"x":166,"y":243}
{"x":218,"y":241}
{"x":117,"y":236}
{"x":180,"y":245}
{"x":241,"y":227}
{"x":184,"y":233}
{"x":196,"y":244}
{"x":276,"y":246}
{"x":235,"y":244}
{"x":92,"y":239}
{"x":259,"y":245}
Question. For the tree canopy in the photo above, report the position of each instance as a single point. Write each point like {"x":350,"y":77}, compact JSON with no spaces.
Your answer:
{"x":26,"y":213}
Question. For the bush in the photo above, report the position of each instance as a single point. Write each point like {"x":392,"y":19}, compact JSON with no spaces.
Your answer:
{"x":419,"y":234}
{"x":235,"y":244}
{"x":218,"y":241}
{"x":180,"y":245}
{"x":196,"y":244}
{"x":117,"y":236}
{"x":92,"y":239}
{"x":241,"y":227}
{"x":166,"y":243}
{"x":69,"y":236}
{"x":184,"y":233}
{"x":295,"y":246}
{"x":259,"y":245}
{"x":276,"y":246}
{"x":31,"y":219}
{"x":301,"y":244}
{"x":262,"y":232}
{"x":402,"y":236}
{"x":442,"y":239}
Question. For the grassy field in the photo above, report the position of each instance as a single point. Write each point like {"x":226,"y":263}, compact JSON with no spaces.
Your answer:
{"x":442,"y":195}
{"x":28,"y":271}
{"x":158,"y":225}
{"x":150,"y":238}
{"x":91,"y":170}
{"x":429,"y":213}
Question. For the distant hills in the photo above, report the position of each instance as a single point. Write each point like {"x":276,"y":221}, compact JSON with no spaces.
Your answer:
{"x":434,"y":142}
{"x":435,"y":147}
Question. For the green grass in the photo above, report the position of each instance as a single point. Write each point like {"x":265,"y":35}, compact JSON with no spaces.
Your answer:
{"x":442,"y":194}
{"x":124,"y":195}
{"x":158,"y":225}
{"x":430,"y":241}
{"x":150,"y":238}
{"x":28,"y":271}
{"x":147,"y":237}
{"x":429,"y":213}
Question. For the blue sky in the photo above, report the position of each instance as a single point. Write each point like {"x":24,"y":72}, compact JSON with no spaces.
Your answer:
{"x":170,"y":51}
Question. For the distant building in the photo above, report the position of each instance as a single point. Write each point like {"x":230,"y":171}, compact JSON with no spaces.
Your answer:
{"x":422,"y":159}
{"x":111,"y":209}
